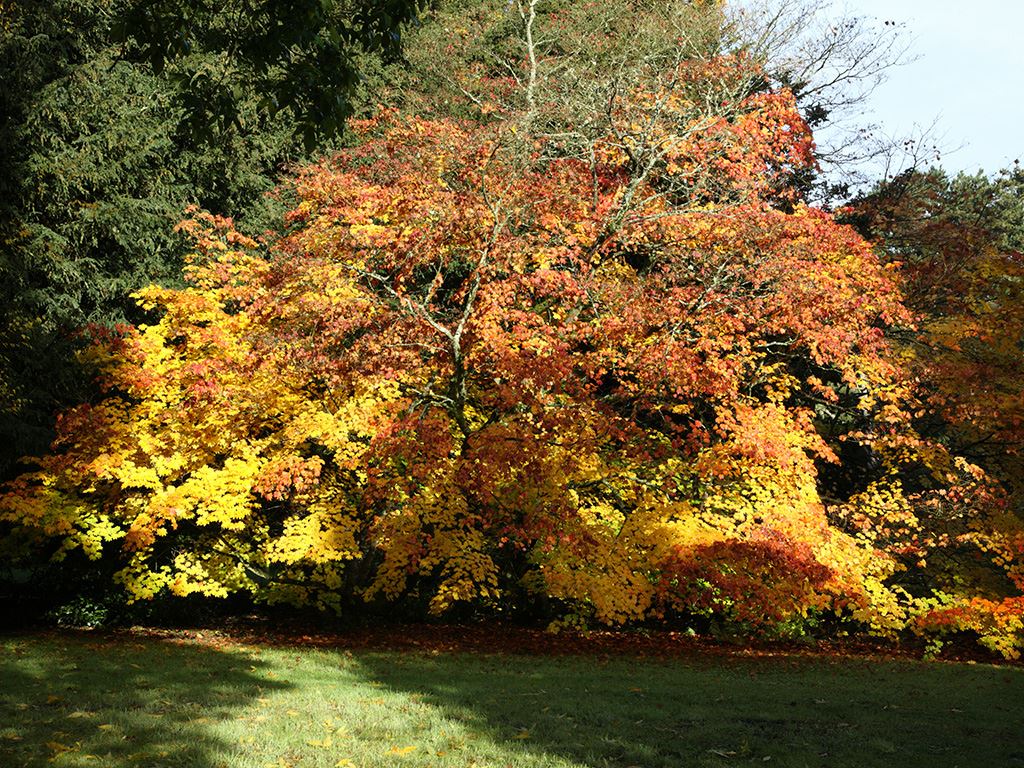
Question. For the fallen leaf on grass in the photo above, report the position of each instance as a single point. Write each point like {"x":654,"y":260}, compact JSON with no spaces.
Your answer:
{"x":344,"y":763}
{"x":523,"y":734}
{"x":401,"y":750}
{"x":322,"y":743}
{"x":723,"y":752}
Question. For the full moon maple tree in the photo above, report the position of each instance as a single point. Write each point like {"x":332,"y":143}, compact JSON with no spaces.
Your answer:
{"x":484,"y":369}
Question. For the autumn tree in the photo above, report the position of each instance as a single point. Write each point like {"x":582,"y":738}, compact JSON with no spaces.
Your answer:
{"x":495,"y":363}
{"x":953,"y":240}
{"x":575,"y":61}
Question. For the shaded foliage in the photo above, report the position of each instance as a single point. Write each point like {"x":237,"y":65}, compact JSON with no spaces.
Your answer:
{"x":300,"y":56}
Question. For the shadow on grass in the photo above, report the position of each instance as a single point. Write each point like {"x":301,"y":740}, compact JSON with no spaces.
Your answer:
{"x":75,"y":700}
{"x":774,"y":712}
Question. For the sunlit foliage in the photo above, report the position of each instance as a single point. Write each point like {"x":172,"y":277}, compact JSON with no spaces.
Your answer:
{"x":626,"y":375}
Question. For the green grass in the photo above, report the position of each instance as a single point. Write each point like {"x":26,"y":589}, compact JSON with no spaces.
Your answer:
{"x":81,"y":700}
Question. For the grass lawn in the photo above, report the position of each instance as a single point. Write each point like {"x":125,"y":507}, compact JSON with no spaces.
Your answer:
{"x":99,"y":701}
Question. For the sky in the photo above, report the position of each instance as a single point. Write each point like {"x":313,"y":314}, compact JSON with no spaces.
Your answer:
{"x":968,"y":76}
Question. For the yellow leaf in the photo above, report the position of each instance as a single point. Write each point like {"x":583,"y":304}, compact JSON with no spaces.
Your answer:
{"x":344,"y":763}
{"x":523,"y":734}
{"x":323,"y":743}
{"x":401,"y":750}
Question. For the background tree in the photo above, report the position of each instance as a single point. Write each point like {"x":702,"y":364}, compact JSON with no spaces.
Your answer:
{"x":953,"y":241}
{"x":300,"y":56}
{"x":118,"y":116}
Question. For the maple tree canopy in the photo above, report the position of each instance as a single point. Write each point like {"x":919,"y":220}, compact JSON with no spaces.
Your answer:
{"x":486,"y":367}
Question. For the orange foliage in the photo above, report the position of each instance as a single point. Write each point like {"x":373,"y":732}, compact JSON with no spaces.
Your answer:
{"x":465,"y":376}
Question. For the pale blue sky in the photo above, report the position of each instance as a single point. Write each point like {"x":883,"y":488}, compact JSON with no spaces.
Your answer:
{"x":969,"y":75}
